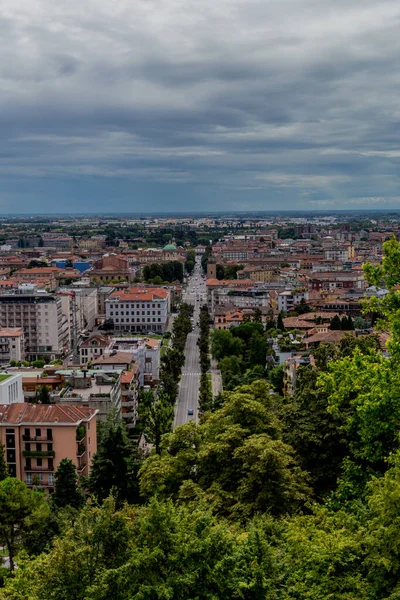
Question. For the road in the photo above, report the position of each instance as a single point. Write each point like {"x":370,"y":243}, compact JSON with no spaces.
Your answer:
{"x":188,"y":396}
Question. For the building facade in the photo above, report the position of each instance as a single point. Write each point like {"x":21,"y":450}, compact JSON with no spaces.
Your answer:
{"x":12,"y":345}
{"x":36,"y":437}
{"x":40,"y":316}
{"x":141,"y":310}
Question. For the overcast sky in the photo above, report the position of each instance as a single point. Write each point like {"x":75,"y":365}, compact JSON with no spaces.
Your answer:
{"x":150,"y":105}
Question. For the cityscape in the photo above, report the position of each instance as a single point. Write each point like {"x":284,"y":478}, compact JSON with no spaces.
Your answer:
{"x":192,"y":359}
{"x":199,"y":300}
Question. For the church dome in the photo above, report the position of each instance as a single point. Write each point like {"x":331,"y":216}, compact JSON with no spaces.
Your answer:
{"x":169,"y":247}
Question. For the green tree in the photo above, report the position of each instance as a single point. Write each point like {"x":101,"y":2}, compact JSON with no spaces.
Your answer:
{"x":336,"y":323}
{"x":43,"y":395}
{"x":18,"y":505}
{"x":279,"y":324}
{"x":3,"y":465}
{"x":66,"y":491}
{"x":114,"y":465}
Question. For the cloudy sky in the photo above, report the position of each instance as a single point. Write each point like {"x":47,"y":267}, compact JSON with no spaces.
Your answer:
{"x":158,"y":105}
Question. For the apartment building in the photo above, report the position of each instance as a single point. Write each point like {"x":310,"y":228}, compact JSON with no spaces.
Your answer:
{"x":11,"y":388}
{"x":36,"y":437}
{"x":79,"y":304}
{"x":141,"y":310}
{"x":287,"y":300}
{"x":12,"y":345}
{"x":40,"y":316}
{"x":130,"y":396}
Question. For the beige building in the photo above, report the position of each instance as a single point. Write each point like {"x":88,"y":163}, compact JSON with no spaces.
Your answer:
{"x":40,"y":316}
{"x":12,"y":345}
{"x":36,"y":437}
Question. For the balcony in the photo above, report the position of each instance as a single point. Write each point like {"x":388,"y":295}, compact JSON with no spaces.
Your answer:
{"x":37,"y":469}
{"x":38,"y":453}
{"x":81,"y":467}
{"x":37,"y":438}
{"x":81,"y":450}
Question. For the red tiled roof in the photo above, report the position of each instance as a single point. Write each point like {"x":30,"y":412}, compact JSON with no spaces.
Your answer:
{"x":139,"y":294}
{"x":119,"y":358}
{"x":23,"y":413}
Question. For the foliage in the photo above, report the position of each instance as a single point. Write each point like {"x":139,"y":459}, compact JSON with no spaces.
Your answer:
{"x":234,"y":458}
{"x":114,"y":465}
{"x":66,"y":491}
{"x":20,"y":510}
{"x":3,"y":464}
{"x":169,"y":271}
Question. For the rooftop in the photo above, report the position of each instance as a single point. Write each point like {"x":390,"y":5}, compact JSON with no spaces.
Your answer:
{"x":23,"y":413}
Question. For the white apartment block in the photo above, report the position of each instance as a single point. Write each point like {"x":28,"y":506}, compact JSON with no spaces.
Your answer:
{"x":287,"y":300}
{"x":10,"y":389}
{"x":82,"y":301}
{"x":145,"y":352}
{"x":12,"y":345}
{"x":139,"y":310}
{"x":40,"y":316}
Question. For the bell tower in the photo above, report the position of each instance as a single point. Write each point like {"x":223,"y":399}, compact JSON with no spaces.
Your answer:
{"x":211,"y":268}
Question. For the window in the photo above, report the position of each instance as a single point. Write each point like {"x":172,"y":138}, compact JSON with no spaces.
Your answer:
{"x":27,"y":432}
{"x":28,"y":447}
{"x":38,"y":432}
{"x":49,"y":447}
{"x":29,"y":478}
{"x":39,"y":462}
{"x":38,"y":447}
{"x":51,"y":479}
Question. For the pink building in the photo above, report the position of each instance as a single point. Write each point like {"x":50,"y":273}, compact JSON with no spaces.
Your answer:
{"x":36,"y":437}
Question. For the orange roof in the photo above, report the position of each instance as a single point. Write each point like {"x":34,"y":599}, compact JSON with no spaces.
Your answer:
{"x":139,"y":294}
{"x":42,"y":380}
{"x":11,"y":332}
{"x":228,"y":282}
{"x":127,"y":376}
{"x":38,"y":271}
{"x":23,"y":413}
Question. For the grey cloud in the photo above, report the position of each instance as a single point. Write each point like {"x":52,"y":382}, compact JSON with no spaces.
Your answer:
{"x":301,"y":94}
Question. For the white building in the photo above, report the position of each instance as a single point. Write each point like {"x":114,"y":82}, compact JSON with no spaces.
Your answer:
{"x":12,"y":345}
{"x":11,"y":389}
{"x":145,"y":351}
{"x":92,"y":348}
{"x":40,"y":316}
{"x":141,"y":310}
{"x":288,"y":299}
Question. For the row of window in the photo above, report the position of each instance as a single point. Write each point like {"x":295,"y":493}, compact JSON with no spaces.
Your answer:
{"x":135,"y":305}
{"x":144,"y":320}
{"x":143,"y":312}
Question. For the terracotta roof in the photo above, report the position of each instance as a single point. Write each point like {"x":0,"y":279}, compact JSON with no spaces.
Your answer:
{"x":11,"y":332}
{"x":23,"y":413}
{"x":119,"y":358}
{"x":328,"y":336}
{"x":38,"y":271}
{"x":140,"y":294}
{"x":297,"y":323}
{"x":127,"y":376}
{"x":42,"y":380}
{"x":230,"y":282}
{"x":103,"y":341}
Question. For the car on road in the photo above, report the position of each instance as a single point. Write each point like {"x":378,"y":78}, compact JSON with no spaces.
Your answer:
{"x":190,"y":411}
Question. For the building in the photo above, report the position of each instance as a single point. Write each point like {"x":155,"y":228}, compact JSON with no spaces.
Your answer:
{"x":12,"y":345}
{"x":40,"y":316}
{"x":144,"y":351}
{"x":111,"y":267}
{"x":42,"y":276}
{"x":130,"y":396}
{"x":92,"y":348}
{"x":288,"y":299}
{"x":11,"y":388}
{"x":37,"y":437}
{"x":141,"y":310}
